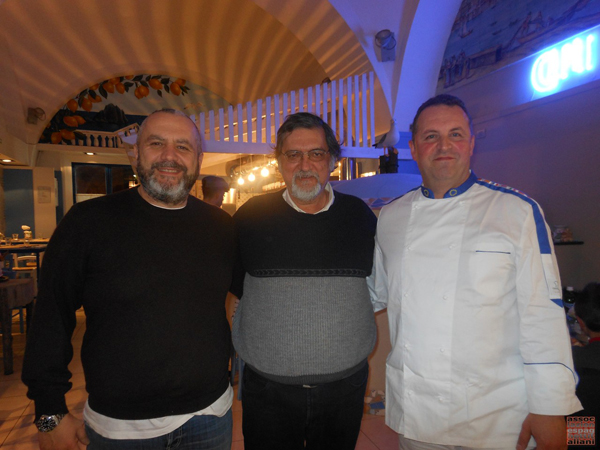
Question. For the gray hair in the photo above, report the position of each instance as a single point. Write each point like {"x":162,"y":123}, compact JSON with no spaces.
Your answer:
{"x":307,"y":120}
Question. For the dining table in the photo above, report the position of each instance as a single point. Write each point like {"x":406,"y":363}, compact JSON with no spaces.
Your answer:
{"x":25,"y":249}
{"x":13,"y":294}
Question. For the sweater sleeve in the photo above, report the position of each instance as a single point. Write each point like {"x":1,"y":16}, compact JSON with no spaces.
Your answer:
{"x":49,"y":351}
{"x":239,"y":272}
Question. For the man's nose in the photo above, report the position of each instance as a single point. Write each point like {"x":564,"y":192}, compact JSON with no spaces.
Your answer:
{"x":444,"y":143}
{"x":305,"y":161}
{"x":169,"y":151}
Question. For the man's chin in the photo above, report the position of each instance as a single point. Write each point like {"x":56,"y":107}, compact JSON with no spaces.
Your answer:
{"x":306,"y":194}
{"x":170,"y":193}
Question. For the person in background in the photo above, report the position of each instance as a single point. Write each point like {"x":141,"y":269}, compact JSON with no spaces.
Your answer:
{"x":587,"y":357}
{"x":151,"y":267}
{"x":304,"y":325}
{"x":213,"y":190}
{"x":480,"y":349}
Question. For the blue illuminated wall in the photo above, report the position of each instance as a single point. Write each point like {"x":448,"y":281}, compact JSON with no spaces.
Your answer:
{"x":490,"y":34}
{"x":546,"y":143}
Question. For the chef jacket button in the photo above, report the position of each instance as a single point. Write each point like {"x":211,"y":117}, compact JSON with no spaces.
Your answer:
{"x":442,"y":350}
{"x":445,"y":297}
{"x":451,"y":246}
{"x":405,"y":345}
{"x":441,"y":399}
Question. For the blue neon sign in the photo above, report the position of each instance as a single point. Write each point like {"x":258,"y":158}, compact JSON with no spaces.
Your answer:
{"x":558,"y":67}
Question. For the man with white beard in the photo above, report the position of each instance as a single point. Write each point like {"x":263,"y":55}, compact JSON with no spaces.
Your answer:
{"x":156,"y":348}
{"x":304,"y":325}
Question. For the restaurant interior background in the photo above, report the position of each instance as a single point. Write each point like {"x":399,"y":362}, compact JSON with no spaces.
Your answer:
{"x":72,"y":68}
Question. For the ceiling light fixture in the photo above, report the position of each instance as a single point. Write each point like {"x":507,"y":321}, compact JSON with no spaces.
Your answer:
{"x":35,"y":114}
{"x":385,"y":46}
{"x":89,"y":153}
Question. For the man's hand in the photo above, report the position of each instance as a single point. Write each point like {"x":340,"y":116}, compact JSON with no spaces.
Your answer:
{"x":550,"y":432}
{"x":68,"y":435}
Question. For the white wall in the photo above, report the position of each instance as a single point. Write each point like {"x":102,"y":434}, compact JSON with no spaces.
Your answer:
{"x":44,"y":208}
{"x":549,"y":149}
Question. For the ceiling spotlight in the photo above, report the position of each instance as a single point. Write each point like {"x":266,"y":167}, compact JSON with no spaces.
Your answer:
{"x":264,"y":172}
{"x":7,"y":160}
{"x":240,"y":180}
{"x":251,"y":177}
{"x":385,"y":45}
{"x":35,"y":114}
{"x":89,"y":153}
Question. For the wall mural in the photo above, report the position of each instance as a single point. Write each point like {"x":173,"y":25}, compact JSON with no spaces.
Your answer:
{"x":118,"y":102}
{"x":489,"y":34}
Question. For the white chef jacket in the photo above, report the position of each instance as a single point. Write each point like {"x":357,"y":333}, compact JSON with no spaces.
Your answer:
{"x":478,"y":333}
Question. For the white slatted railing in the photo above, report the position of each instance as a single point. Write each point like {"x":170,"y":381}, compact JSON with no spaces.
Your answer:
{"x":96,"y":141}
{"x":347,"y":105}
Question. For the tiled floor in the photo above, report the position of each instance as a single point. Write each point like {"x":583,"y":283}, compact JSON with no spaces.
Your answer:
{"x":16,"y":410}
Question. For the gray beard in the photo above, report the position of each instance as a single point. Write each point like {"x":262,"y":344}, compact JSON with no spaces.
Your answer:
{"x":304,"y":194}
{"x":171,"y":194}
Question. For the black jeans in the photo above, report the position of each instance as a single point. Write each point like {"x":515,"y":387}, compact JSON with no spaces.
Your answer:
{"x":288,"y":417}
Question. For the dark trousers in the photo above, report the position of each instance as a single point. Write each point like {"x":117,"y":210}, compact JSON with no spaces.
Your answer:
{"x":198,"y":433}
{"x":288,"y":417}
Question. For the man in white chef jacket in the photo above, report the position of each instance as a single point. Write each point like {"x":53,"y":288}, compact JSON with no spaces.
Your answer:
{"x":480,"y":350}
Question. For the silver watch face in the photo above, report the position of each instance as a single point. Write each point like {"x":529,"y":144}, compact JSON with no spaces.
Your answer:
{"x":49,"y":423}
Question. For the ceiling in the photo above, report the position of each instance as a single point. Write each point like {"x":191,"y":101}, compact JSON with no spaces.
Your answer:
{"x":236,"y":50}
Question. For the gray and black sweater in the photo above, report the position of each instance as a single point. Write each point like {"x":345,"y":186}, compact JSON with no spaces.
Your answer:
{"x":305,"y":316}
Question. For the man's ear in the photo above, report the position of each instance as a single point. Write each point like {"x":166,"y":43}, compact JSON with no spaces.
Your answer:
{"x":200,"y":158}
{"x":472,"y":145}
{"x":411,"y":145}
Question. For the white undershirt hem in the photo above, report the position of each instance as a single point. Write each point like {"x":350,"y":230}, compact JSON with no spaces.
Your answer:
{"x":111,"y":428}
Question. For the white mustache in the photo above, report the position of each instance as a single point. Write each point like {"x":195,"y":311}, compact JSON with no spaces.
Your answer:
{"x":306,"y":173}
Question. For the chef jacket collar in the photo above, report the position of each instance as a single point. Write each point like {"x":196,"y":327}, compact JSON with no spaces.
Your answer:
{"x":454,"y":191}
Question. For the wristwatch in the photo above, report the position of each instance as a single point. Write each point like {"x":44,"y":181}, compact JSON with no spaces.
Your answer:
{"x":49,"y":423}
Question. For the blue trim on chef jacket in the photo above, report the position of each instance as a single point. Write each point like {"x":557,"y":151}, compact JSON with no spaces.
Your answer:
{"x":558,"y":301}
{"x":575,"y":376}
{"x":540,"y":224}
{"x":454,"y":192}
